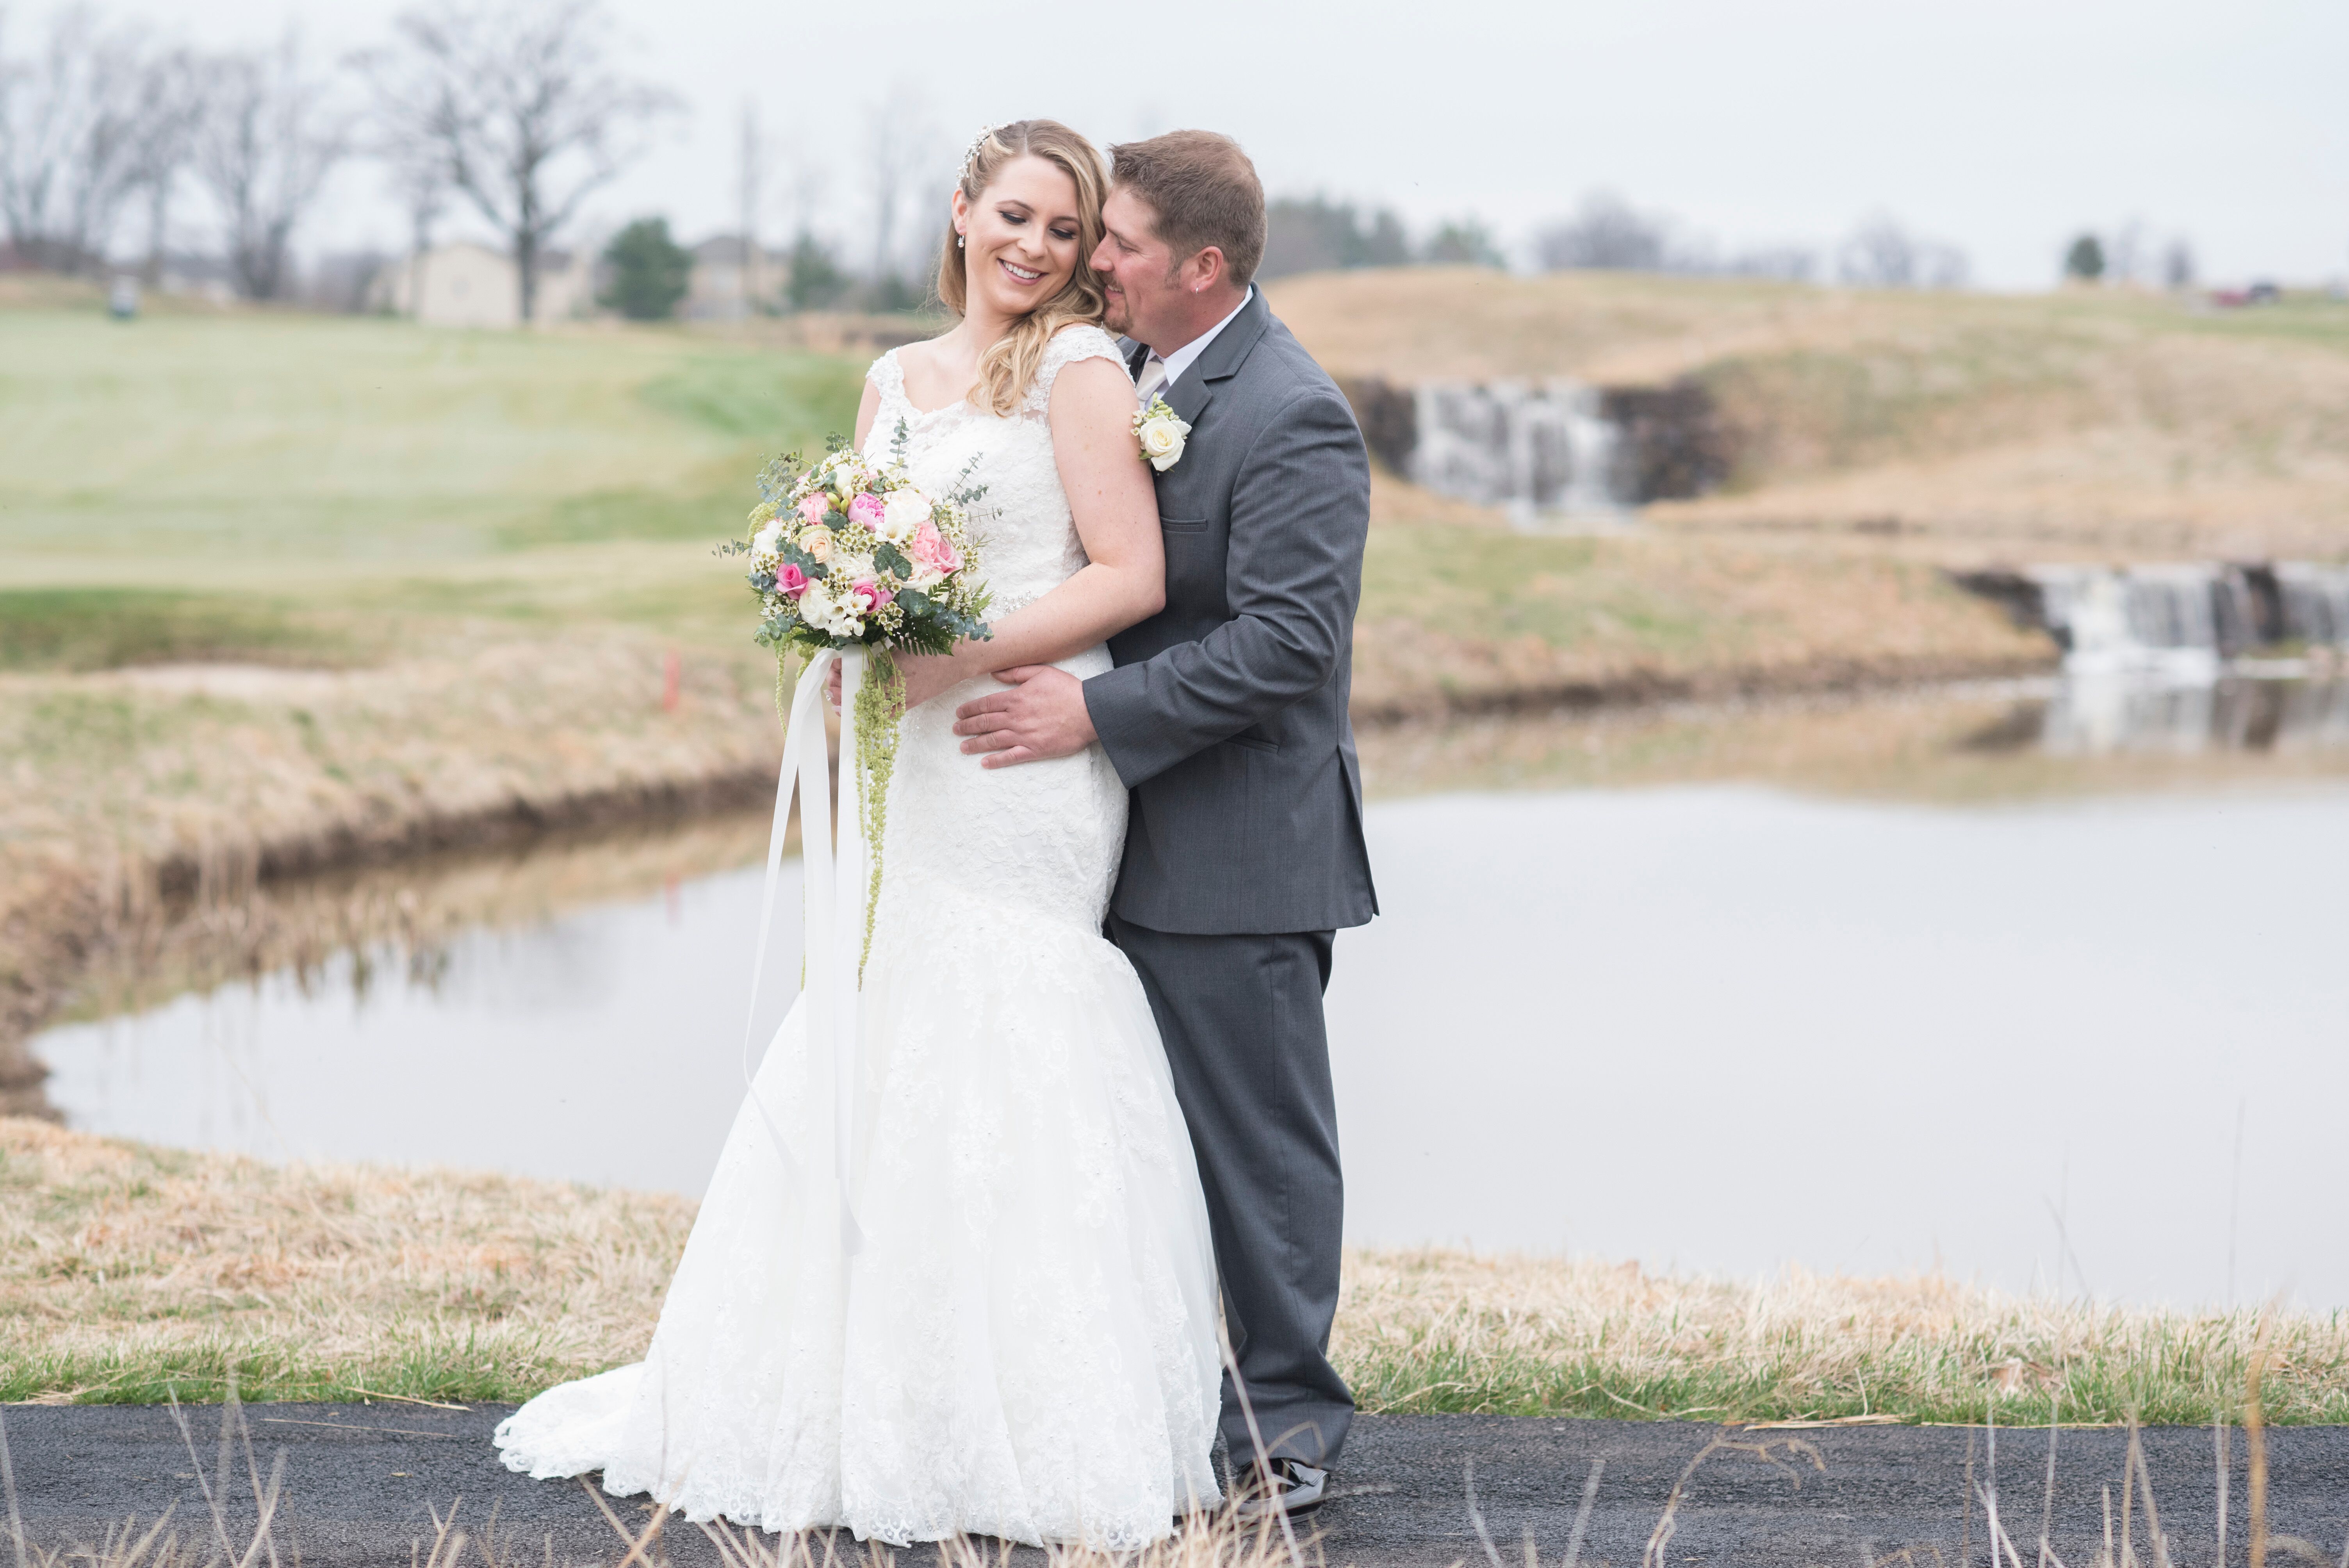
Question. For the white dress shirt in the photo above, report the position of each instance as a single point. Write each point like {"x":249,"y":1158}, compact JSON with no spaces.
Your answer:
{"x":1184,"y":357}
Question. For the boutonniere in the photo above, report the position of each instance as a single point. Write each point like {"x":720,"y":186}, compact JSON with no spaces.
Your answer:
{"x":1160,"y":434}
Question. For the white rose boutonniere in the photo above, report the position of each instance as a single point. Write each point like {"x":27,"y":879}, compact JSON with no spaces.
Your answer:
{"x":1160,"y":434}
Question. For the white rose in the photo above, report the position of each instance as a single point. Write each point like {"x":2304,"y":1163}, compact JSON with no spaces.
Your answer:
{"x":768,"y":539}
{"x":818,"y":609}
{"x":1162,"y":441}
{"x":816,"y":540}
{"x":903,"y":511}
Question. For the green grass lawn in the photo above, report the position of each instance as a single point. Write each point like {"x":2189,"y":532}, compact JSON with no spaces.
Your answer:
{"x":248,"y":468}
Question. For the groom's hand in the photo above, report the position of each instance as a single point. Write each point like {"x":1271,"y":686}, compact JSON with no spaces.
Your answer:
{"x":1042,"y":715}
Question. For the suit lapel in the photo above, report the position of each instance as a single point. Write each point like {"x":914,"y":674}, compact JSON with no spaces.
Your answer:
{"x":1221,"y":361}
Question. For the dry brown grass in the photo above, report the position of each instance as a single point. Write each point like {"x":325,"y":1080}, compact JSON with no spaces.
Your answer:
{"x":130,"y":1270}
{"x":226,"y":764}
{"x":1460,"y":619}
{"x":1445,"y":1330}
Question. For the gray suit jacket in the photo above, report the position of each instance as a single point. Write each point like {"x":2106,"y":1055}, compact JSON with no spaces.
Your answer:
{"x":1226,"y":715}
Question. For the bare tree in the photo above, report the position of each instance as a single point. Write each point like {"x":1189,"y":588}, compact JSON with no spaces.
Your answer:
{"x":267,"y":141}
{"x":521,"y":110}
{"x":899,"y":149}
{"x":2128,"y":255}
{"x":175,"y":108}
{"x":1879,"y":253}
{"x":421,"y":184}
{"x":1606,"y":231}
{"x":809,"y":180}
{"x":1883,"y":253}
{"x":1786,"y":264}
{"x":70,"y":119}
{"x":2178,"y":264}
{"x":749,"y":188}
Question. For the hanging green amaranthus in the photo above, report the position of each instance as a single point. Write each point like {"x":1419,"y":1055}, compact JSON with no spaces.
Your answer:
{"x":880,"y":709}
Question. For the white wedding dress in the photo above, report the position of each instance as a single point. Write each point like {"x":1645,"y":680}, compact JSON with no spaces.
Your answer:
{"x":1024,"y":1346}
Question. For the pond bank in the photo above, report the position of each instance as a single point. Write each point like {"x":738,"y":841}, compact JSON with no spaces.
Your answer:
{"x":140,"y":794}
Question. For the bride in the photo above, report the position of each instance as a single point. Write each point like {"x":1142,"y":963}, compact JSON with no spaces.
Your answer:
{"x":1023,"y":1345}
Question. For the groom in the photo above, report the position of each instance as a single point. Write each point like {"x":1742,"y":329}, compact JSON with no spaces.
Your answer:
{"x":1225,"y":717}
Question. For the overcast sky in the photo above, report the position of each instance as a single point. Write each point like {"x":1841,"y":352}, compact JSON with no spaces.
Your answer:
{"x":2005,"y":126}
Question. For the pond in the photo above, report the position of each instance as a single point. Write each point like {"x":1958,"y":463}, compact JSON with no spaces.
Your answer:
{"x":1974,"y":980}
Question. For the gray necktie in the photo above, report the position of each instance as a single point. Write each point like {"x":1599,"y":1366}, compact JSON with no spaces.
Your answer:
{"x":1151,"y":380}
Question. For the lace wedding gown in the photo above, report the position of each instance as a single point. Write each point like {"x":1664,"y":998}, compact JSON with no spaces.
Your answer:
{"x":1024,"y":1345}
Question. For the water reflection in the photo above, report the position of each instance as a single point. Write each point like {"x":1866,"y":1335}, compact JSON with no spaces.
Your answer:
{"x":602,"y":1044}
{"x":1862,"y":984}
{"x":2095,"y":715}
{"x":1721,"y":1027}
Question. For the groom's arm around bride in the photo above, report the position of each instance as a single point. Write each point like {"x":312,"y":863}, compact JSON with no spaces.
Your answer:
{"x":1227,"y":717}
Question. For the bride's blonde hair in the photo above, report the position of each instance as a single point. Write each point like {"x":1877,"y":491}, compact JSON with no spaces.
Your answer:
{"x":1008,"y":368}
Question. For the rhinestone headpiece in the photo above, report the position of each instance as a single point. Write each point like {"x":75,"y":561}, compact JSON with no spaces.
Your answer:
{"x":970,"y":153}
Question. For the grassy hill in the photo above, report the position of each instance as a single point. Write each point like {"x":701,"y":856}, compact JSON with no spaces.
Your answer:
{"x":337,"y":489}
{"x":2082,"y":424}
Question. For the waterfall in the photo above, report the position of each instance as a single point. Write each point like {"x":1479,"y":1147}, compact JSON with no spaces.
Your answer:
{"x":1540,"y":449}
{"x":2314,"y":603}
{"x":2177,"y":621}
{"x":2183,"y":621}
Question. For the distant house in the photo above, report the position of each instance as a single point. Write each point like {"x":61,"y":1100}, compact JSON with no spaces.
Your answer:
{"x":469,"y":285}
{"x":731,"y":279}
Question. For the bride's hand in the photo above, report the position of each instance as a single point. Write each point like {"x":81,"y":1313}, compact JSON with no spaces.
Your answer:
{"x":926,"y":676}
{"x":929,"y":676}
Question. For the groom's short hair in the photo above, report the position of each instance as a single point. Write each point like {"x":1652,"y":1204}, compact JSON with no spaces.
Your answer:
{"x":1204,"y":192}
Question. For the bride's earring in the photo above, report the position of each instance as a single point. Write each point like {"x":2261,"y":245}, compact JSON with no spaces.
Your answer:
{"x":958,"y":242}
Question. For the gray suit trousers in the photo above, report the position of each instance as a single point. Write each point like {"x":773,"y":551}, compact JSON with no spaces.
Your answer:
{"x":1241,"y":1018}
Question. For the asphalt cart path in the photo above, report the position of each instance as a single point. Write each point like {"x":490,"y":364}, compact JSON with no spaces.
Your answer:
{"x":362,"y":1482}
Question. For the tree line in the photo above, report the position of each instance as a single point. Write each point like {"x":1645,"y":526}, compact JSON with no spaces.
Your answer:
{"x":515,"y":114}
{"x":1603,"y":232}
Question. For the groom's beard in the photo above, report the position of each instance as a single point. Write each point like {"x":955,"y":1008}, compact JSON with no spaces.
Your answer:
{"x":1113,"y":315}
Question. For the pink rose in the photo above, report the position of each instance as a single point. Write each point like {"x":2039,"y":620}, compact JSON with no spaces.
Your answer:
{"x":815,"y":506}
{"x":931,"y":548}
{"x":876,"y":595}
{"x":867,"y":509}
{"x":791,"y":580}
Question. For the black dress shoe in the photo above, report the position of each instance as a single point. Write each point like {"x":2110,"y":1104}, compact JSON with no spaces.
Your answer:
{"x":1290,"y":1486}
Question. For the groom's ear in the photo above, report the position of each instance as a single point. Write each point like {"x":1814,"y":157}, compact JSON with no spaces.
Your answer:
{"x":1206,"y":270}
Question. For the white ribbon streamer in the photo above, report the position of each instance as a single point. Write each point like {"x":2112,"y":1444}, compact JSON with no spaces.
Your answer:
{"x":833,"y":927}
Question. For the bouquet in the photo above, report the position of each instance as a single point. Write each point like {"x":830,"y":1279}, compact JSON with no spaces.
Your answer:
{"x":848,"y":553}
{"x":851,"y":556}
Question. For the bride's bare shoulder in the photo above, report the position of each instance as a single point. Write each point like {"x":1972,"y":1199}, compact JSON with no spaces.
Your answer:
{"x":911,"y":358}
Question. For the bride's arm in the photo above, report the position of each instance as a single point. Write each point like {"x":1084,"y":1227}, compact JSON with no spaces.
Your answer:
{"x":868,"y":411}
{"x":1116,"y":511}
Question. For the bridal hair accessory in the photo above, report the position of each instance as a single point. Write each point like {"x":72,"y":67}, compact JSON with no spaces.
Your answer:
{"x":1160,"y":435}
{"x":970,"y":154}
{"x":851,"y":563}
